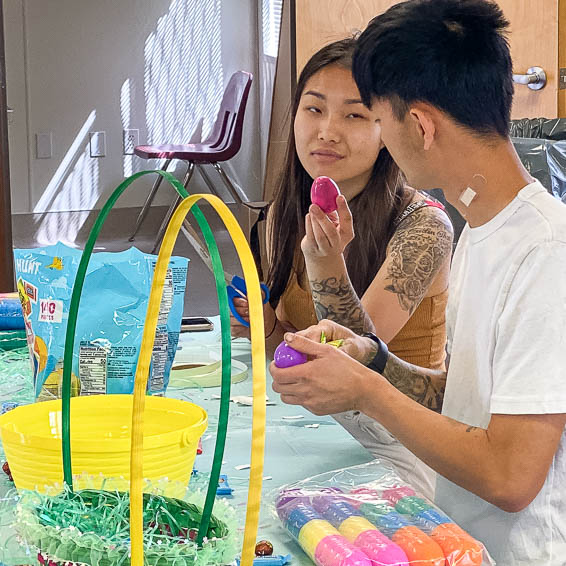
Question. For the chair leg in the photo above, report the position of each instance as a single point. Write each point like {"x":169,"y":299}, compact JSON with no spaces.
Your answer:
{"x":148,"y":201}
{"x":165,"y":222}
{"x":173,"y":207}
{"x":207,"y":180}
{"x":240,"y":199}
{"x":189,"y":173}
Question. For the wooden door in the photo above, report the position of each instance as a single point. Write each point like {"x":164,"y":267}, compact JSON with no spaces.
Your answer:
{"x":319,"y":22}
{"x":534,"y":42}
{"x":537,"y":39}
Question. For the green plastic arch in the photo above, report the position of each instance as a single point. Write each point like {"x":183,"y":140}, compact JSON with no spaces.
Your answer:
{"x":225,"y":331}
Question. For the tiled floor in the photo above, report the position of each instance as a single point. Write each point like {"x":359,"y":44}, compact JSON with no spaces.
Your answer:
{"x":200,"y":298}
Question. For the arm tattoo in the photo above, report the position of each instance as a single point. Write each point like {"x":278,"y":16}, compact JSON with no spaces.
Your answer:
{"x":370,"y":353}
{"x":426,"y":386}
{"x":335,"y":299}
{"x":416,"y":252}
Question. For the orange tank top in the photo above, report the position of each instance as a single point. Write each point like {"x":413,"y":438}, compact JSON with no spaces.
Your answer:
{"x":421,"y":341}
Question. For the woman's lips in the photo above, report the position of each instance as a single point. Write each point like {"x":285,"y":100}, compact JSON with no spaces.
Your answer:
{"x":326,"y":156}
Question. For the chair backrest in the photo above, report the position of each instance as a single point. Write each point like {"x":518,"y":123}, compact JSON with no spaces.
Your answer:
{"x":226,"y":134}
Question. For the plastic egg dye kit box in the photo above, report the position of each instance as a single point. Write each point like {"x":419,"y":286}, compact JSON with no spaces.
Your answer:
{"x":111,"y":318}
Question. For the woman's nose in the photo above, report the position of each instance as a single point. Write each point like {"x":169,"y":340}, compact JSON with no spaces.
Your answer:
{"x":329,"y":130}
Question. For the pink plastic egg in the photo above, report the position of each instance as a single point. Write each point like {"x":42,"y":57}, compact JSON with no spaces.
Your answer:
{"x":286,"y":357}
{"x":324,"y":192}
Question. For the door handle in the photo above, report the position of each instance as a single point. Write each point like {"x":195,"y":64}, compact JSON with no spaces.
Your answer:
{"x":535,"y":78}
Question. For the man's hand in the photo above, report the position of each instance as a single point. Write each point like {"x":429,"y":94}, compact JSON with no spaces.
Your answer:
{"x":331,"y":381}
{"x":361,"y":349}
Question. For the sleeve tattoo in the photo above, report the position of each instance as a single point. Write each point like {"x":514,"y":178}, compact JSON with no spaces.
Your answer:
{"x":416,"y":252}
{"x":335,"y":299}
{"x":422,"y":385}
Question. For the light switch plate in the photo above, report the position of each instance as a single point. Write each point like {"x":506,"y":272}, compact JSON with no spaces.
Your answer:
{"x":44,"y":145}
{"x":97,"y":142}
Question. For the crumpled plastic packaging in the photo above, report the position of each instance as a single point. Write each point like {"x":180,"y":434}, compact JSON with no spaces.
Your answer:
{"x":367,"y":516}
{"x":110,"y":323}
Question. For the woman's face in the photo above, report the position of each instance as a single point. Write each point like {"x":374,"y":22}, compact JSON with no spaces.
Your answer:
{"x":335,"y":134}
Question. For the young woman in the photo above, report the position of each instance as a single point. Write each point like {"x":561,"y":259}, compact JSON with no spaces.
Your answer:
{"x":380,"y":264}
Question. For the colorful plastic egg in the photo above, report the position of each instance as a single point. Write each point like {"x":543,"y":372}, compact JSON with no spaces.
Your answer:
{"x":286,"y":357}
{"x":324,"y":192}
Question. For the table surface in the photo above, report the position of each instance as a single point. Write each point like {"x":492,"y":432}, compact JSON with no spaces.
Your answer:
{"x":292,"y":450}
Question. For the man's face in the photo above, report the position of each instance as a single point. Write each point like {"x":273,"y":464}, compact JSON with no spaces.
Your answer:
{"x":406,"y":146}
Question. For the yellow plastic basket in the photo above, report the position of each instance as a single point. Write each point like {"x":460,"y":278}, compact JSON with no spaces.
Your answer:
{"x":101,"y":440}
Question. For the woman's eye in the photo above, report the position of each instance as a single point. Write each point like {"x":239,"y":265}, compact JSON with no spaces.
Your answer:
{"x":313,"y":109}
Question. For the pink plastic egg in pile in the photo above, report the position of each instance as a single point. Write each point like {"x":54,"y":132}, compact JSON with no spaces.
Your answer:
{"x":286,"y":357}
{"x":324,"y":192}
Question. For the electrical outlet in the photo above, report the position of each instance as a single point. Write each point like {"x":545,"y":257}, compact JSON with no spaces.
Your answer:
{"x":131,"y":139}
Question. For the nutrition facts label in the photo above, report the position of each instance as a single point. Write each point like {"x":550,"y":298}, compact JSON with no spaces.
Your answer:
{"x":167,"y":300}
{"x":159,"y":354}
{"x":158,"y":360}
{"x":93,"y":361}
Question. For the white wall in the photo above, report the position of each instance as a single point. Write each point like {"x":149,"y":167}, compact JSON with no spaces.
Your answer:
{"x":77,"y":66}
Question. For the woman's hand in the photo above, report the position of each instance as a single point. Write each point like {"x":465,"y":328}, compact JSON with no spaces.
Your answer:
{"x":238,"y":330}
{"x":327,"y":235}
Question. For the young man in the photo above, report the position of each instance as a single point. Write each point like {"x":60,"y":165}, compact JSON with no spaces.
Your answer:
{"x":438,"y":73}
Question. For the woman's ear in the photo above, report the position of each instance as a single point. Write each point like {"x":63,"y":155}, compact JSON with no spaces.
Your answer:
{"x":424,"y":123}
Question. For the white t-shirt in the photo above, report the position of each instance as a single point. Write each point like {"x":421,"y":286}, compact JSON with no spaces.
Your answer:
{"x":506,"y":324}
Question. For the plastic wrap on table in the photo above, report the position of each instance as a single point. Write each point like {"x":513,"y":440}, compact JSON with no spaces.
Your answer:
{"x":367,"y":516}
{"x":15,"y":377}
{"x":11,"y":315}
{"x":110,"y":326}
{"x":12,"y":340}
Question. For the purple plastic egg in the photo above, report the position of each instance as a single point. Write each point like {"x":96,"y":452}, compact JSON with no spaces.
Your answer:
{"x":324,"y":192}
{"x":286,"y":357}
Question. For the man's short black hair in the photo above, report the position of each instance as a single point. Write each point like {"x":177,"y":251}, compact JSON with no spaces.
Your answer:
{"x":452,"y":54}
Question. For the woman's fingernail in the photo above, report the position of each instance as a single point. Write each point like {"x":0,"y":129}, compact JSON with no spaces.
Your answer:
{"x":289,"y":337}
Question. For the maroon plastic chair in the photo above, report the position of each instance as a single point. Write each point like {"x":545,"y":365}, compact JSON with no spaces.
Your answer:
{"x":222,"y":144}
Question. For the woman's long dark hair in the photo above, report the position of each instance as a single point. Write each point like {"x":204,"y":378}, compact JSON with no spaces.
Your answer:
{"x":374,"y":210}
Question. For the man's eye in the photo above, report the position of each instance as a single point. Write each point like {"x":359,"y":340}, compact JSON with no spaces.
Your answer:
{"x":354,"y":115}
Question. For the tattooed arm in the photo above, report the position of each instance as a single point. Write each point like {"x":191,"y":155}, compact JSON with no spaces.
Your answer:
{"x":335,"y":299}
{"x":415,"y":254}
{"x":417,"y":264}
{"x":323,"y":248}
{"x":425,"y":386}
{"x":505,"y":463}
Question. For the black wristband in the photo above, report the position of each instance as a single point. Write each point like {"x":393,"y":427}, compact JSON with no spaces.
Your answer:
{"x":380,"y":360}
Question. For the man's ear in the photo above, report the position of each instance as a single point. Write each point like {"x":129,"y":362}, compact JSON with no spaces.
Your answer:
{"x":425,"y":125}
